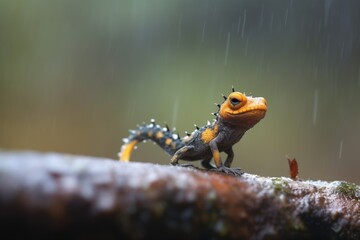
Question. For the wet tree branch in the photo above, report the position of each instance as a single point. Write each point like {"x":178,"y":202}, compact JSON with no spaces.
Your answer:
{"x":61,"y":196}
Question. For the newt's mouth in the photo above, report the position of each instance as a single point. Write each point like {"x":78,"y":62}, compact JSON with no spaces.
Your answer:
{"x":253,"y":110}
{"x":245,"y":119}
{"x":255,"y":113}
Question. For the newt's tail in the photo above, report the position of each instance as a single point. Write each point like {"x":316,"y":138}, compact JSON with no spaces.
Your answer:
{"x":166,"y":139}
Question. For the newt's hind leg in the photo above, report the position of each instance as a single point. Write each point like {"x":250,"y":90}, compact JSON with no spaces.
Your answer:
{"x":179,"y":154}
{"x":206,"y":163}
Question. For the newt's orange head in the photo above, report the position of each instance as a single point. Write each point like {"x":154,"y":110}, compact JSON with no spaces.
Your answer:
{"x":243,"y":110}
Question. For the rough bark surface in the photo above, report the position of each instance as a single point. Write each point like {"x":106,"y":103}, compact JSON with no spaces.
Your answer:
{"x":63,"y":196}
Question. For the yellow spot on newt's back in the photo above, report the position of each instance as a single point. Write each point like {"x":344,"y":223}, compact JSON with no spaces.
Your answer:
{"x":209,"y":134}
{"x":168,"y":141}
{"x":159,"y":135}
{"x":149,"y":133}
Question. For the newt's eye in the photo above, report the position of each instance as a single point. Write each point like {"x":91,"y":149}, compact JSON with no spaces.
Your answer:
{"x":234,"y":101}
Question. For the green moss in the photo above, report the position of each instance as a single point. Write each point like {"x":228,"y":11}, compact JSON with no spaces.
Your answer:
{"x":349,"y":190}
{"x":280,"y":186}
{"x":299,"y":226}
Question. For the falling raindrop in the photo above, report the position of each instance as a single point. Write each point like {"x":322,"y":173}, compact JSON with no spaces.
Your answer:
{"x":239,"y":24}
{"x":308,"y":42}
{"x":315,"y":109}
{"x":203,"y":32}
{"x":109,"y":44}
{"x":341,"y":149}
{"x":327,"y":5}
{"x":175,"y":110}
{"x":246,"y":46}
{"x":261,"y":17}
{"x":227,"y":49}
{"x":243,"y":24}
{"x":342,"y":50}
{"x":286,"y":17}
{"x":179,"y":30}
{"x":271,"y":21}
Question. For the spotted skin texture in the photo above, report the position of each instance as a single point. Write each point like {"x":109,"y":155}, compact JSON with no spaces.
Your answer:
{"x":237,"y":114}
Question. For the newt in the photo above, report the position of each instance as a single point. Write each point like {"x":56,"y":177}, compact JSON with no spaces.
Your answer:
{"x":237,"y":114}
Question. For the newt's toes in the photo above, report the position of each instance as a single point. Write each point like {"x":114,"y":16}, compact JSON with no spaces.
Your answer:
{"x":184,"y":165}
{"x":231,"y":171}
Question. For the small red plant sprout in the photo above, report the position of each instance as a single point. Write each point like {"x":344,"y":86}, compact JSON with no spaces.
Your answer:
{"x":294,"y":168}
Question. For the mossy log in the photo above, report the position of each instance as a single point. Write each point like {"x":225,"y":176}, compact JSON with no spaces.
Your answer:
{"x":57,"y":196}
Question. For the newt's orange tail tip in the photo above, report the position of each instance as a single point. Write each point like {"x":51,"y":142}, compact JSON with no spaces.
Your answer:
{"x":126,"y":151}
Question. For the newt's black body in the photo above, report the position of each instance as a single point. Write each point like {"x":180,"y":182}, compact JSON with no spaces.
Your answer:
{"x":237,"y":114}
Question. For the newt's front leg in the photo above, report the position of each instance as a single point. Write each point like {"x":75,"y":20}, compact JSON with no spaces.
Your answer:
{"x":230,"y":157}
{"x":217,"y":158}
{"x":178,"y":155}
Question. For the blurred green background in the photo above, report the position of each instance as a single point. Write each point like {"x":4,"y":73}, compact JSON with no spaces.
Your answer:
{"x":75,"y":76}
